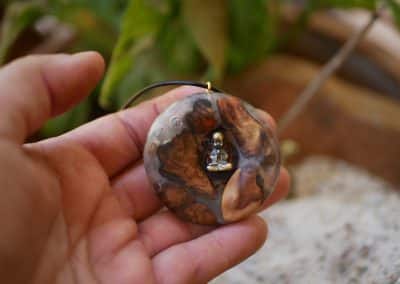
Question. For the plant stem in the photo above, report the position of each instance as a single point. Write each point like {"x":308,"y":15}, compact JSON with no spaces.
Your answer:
{"x":327,"y":71}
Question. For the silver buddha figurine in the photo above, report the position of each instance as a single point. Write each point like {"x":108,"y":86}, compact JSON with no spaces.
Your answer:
{"x":218,"y":157}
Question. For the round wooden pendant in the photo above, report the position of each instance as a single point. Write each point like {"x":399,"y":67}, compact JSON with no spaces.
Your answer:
{"x":211,"y":159}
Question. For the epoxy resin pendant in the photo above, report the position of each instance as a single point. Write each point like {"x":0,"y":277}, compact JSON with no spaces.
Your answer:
{"x":211,"y":159}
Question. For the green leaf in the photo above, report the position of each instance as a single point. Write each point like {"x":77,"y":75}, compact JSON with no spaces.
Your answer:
{"x":141,"y":22}
{"x":67,"y":121}
{"x":104,"y":13}
{"x":96,"y":23}
{"x":148,"y":68}
{"x":18,"y":16}
{"x":178,"y":49}
{"x":344,"y":4}
{"x":395,"y":9}
{"x":252,"y":32}
{"x":207,"y":21}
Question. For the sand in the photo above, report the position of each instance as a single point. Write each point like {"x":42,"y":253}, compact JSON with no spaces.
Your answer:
{"x":343,"y":227}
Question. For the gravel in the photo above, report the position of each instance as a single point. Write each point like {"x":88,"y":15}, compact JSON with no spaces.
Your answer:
{"x":343,"y":227}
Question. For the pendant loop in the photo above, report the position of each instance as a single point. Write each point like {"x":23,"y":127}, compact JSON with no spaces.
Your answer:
{"x":209,"y":87}
{"x":143,"y":91}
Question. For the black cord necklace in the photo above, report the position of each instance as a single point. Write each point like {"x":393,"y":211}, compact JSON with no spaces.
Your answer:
{"x":166,"y":84}
{"x":210,"y":156}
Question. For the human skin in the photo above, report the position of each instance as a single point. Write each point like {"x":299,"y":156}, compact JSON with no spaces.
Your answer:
{"x":78,"y":208}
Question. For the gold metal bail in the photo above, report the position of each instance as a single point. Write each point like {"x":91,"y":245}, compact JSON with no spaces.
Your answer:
{"x":208,"y":87}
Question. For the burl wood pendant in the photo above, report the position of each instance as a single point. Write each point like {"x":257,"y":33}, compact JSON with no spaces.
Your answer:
{"x":211,"y":159}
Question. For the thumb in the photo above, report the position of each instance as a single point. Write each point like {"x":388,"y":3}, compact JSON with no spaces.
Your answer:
{"x":35,"y":88}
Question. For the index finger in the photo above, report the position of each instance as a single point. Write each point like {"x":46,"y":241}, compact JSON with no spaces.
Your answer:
{"x":35,"y":88}
{"x":117,"y":140}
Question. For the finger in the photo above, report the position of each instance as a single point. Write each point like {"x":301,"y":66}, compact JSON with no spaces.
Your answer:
{"x":105,"y":240}
{"x":163,"y":230}
{"x":136,"y":195}
{"x":201,"y":259}
{"x":38,"y":87}
{"x":117,"y":140}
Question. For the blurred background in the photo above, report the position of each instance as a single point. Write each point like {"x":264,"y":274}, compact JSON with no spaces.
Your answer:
{"x":343,"y":149}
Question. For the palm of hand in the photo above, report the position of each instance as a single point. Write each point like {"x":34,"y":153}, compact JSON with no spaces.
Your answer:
{"x":78,"y":208}
{"x":75,"y":210}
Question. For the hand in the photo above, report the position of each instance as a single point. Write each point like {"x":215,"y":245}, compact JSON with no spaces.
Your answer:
{"x":78,"y":208}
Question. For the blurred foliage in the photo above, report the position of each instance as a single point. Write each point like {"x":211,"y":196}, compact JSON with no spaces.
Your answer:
{"x":253,"y":32}
{"x":140,"y":27}
{"x":207,"y":23}
{"x":367,"y":4}
{"x":19,"y":16}
{"x":152,"y":40}
{"x":96,"y":24}
{"x":96,"y":21}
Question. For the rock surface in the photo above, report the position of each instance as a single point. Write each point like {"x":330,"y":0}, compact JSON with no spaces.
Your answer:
{"x":344,"y":228}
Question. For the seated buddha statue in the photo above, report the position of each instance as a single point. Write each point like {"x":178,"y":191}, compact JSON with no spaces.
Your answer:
{"x":218,"y":157}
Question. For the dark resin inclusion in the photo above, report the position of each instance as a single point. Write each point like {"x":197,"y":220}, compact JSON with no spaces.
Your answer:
{"x":179,"y":147}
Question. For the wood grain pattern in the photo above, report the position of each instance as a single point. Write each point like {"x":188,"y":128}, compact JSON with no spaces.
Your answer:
{"x":247,"y":131}
{"x":176,"y":159}
{"x":175,"y":197}
{"x":242,"y":196}
{"x":180,"y":161}
{"x":200,"y":214}
{"x":202,"y":119}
